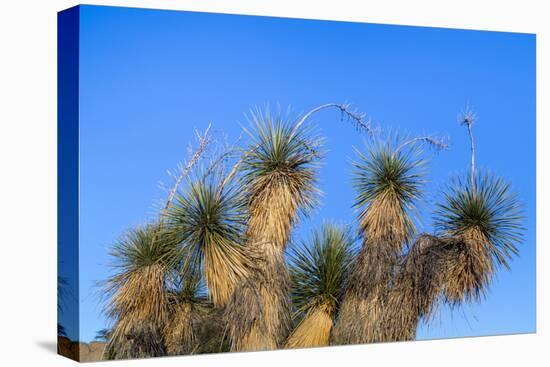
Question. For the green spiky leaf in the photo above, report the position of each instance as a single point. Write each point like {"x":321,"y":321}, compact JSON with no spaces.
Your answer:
{"x":318,"y":267}
{"x":491,"y":207}
{"x":140,"y":247}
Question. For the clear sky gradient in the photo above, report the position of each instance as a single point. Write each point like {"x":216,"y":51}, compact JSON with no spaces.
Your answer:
{"x":150,"y":78}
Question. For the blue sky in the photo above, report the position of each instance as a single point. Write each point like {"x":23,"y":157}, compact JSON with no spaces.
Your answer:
{"x":150,"y":78}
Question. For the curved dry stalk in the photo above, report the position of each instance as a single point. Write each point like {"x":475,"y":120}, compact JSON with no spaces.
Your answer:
{"x":358,"y":118}
{"x":436,"y":143}
{"x":473,"y":155}
{"x":204,"y":140}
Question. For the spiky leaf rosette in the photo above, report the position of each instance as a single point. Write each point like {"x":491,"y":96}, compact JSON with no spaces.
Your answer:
{"x":318,"y":267}
{"x":317,"y":273}
{"x":279,"y":176}
{"x":207,"y":225}
{"x":487,"y":218}
{"x":139,"y":303}
{"x":388,"y":181}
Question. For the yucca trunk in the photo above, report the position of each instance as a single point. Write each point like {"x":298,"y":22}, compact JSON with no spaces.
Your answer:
{"x":469,"y":268}
{"x":273,"y":211}
{"x":265,"y":289}
{"x":458,"y":268}
{"x":417,"y":287}
{"x":387,"y":185}
{"x":272,"y":214}
{"x":179,"y":333}
{"x":141,"y":308}
{"x":360,"y":319}
{"x":143,"y":341}
{"x":258,"y":313}
{"x":314,"y":329}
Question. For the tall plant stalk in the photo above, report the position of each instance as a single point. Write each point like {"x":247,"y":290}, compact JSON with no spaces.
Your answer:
{"x":468,"y":118}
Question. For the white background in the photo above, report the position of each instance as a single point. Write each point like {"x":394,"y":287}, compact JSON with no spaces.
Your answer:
{"x":28,"y":180}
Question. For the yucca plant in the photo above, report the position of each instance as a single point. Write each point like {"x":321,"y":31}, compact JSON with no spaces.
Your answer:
{"x":486,"y":218}
{"x":478,"y":227}
{"x":139,"y":303}
{"x":279,"y":175}
{"x":477,"y":232}
{"x":388,"y":180}
{"x":211,"y":274}
{"x":207,"y":225}
{"x":317,"y":270}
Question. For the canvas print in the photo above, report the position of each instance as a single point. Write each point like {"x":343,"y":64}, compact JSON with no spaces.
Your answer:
{"x":233,"y":183}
